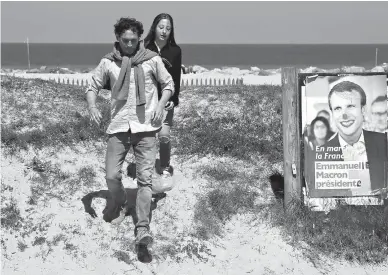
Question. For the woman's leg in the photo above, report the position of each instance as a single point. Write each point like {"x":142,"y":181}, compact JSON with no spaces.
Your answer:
{"x":165,"y":141}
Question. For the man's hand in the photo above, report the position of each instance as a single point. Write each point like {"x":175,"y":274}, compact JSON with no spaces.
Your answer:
{"x":169,"y":106}
{"x":157,"y":116}
{"x":95,"y":115}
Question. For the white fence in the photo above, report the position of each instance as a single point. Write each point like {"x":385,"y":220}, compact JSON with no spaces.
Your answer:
{"x":83,"y":80}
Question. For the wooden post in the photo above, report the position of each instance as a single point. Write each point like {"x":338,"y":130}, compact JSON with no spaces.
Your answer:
{"x":291,"y":139}
{"x":377,"y":50}
{"x":28,"y":54}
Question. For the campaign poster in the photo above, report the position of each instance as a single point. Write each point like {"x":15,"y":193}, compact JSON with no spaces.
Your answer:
{"x":345,"y":129}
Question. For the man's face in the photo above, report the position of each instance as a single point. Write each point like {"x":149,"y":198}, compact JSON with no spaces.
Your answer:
{"x":128,"y":42}
{"x":379,"y":115}
{"x":348,"y":114}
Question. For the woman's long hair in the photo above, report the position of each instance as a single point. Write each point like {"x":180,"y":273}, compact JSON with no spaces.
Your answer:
{"x":151,"y":34}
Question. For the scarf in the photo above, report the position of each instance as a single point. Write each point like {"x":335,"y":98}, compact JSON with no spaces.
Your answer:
{"x":121,"y":88}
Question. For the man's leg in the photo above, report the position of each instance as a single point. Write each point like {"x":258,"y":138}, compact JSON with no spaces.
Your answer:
{"x":165,"y":142}
{"x":144,"y":147}
{"x":117,"y":148}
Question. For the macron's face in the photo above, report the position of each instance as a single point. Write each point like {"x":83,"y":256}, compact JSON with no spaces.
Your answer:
{"x":348,"y":114}
{"x":163,"y":30}
{"x":379,"y":115}
{"x":128,"y":42}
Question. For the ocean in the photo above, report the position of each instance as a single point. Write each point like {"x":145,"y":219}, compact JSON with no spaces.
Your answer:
{"x":265,"y":56}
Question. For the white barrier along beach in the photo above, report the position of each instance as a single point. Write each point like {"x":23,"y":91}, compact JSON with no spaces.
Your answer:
{"x":83,"y":79}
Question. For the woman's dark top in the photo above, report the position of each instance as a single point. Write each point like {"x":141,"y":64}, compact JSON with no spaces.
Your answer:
{"x":173,"y":54}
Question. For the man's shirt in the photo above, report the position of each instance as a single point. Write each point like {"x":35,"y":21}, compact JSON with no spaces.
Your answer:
{"x":125,"y":114}
{"x":357,"y":152}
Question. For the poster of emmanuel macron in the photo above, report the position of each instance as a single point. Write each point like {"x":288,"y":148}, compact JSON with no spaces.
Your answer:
{"x":346,"y":142}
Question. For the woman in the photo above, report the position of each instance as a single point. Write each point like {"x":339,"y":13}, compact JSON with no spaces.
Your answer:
{"x":161,"y":40}
{"x":320,"y":132}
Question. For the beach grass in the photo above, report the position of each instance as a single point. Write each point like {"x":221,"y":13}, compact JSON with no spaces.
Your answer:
{"x":241,"y":129}
{"x":235,"y":136}
{"x":41,"y":113}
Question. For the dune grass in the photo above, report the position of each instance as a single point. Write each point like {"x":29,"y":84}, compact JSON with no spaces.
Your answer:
{"x":40,"y":113}
{"x":252,"y":127}
{"x":238,"y":129}
{"x":350,"y":232}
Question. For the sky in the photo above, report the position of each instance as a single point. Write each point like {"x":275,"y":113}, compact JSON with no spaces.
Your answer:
{"x":200,"y":22}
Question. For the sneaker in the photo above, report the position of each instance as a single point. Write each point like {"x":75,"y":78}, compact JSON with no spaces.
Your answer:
{"x":143,"y":237}
{"x":122,"y":214}
{"x":168,"y":171}
{"x":143,"y":254}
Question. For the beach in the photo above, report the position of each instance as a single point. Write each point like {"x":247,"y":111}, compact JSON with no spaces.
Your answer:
{"x":197,"y":75}
{"x":249,"y":77}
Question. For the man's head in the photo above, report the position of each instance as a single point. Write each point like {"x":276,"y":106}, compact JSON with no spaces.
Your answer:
{"x":128,"y":32}
{"x":347,"y":103}
{"x":379,"y":113}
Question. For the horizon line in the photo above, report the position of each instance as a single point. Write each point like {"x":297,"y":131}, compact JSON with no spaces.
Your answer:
{"x":272,"y":43}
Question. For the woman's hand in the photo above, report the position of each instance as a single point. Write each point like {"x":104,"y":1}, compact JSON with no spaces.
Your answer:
{"x":169,"y":106}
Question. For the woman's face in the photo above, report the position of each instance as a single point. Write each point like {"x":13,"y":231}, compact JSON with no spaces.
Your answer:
{"x":163,"y":30}
{"x":320,"y":130}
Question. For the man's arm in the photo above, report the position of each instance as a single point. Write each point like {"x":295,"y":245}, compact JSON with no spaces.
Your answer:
{"x":98,"y":81}
{"x":167,"y":85}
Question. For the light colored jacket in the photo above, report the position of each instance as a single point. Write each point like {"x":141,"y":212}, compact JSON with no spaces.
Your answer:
{"x":125,"y":114}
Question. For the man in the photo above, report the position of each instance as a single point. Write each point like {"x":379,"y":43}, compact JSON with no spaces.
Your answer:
{"x":347,"y":103}
{"x":379,"y":114}
{"x":132,"y":73}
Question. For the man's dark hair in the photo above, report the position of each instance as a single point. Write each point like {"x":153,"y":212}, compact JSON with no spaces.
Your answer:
{"x":127,"y":23}
{"x":381,"y":98}
{"x":348,"y":86}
